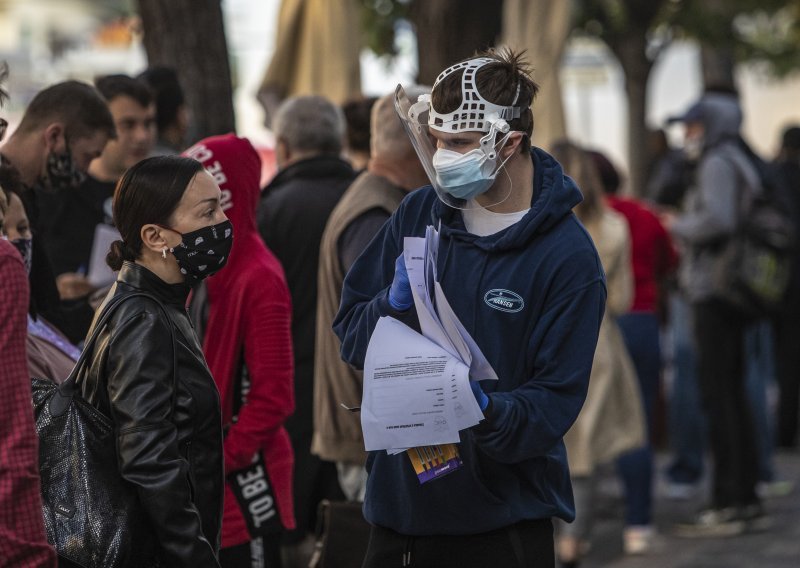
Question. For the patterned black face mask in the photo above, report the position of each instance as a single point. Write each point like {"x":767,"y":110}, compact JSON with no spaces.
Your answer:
{"x":205,"y":251}
{"x":62,"y":171}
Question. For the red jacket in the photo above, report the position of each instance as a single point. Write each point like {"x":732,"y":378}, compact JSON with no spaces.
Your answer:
{"x":250,"y":314}
{"x":652,"y":251}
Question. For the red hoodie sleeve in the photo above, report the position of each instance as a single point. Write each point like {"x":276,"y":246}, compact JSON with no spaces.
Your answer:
{"x":269,"y":360}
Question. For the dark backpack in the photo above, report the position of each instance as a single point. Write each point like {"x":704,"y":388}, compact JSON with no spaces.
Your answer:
{"x":755,"y":266}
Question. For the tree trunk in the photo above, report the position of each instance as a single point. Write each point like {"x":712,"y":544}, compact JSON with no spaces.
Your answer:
{"x":188,"y":35}
{"x":631,"y":55}
{"x":718,"y":66}
{"x":451,"y":30}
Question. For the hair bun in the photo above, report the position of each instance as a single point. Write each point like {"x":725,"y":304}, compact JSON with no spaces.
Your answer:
{"x":116,"y":255}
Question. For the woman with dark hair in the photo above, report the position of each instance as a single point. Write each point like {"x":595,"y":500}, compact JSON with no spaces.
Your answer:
{"x":167,"y":420}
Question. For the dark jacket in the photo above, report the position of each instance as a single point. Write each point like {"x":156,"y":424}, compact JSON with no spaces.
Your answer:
{"x":540,"y":342}
{"x":291,"y":219}
{"x":175,"y":459}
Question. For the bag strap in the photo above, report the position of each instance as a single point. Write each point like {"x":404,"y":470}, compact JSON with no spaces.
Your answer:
{"x":67,"y":389}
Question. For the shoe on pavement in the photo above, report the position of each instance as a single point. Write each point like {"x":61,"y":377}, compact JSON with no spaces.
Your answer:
{"x":713,"y":523}
{"x":638,"y":539}
{"x":755,"y":518}
{"x":777,"y":488}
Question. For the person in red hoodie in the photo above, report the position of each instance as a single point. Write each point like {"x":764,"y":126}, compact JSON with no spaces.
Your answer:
{"x":248,"y":346}
{"x":654,"y":257}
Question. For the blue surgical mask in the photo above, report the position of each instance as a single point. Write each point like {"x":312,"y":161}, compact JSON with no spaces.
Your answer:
{"x":466,"y":176}
{"x":462,"y":175}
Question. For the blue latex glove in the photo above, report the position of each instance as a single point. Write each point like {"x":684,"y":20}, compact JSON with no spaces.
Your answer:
{"x":480,"y":396}
{"x":400,"y":297}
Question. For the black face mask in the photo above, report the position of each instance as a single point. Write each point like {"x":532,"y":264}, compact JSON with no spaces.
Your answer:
{"x":25,"y":248}
{"x":62,"y":171}
{"x":205,"y":251}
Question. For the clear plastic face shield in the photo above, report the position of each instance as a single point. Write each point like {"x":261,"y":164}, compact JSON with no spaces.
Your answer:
{"x":460,"y":150}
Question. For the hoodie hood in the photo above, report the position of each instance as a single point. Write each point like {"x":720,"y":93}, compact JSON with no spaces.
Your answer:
{"x":554,"y":197}
{"x":236,"y":167}
{"x":719,"y":113}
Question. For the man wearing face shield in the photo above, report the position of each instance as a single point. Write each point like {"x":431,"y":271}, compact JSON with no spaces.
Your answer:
{"x":63,"y":129}
{"x":503,"y":210}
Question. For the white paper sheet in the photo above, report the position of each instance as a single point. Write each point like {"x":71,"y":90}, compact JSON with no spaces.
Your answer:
{"x":479,"y":366}
{"x":100,"y":275}
{"x":406,"y":390}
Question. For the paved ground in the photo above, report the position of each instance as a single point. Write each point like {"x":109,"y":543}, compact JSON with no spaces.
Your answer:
{"x":777,"y":548}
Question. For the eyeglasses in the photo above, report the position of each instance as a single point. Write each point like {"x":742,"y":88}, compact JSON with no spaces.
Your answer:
{"x":3,"y":127}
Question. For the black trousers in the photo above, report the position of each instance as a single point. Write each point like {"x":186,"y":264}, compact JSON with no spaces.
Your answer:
{"x":719,"y":334}
{"x":262,"y":552}
{"x":787,"y":367}
{"x":528,"y":544}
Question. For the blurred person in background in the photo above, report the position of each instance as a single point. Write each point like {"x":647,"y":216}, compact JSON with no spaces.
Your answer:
{"x":79,"y":210}
{"x":669,"y":173}
{"x":248,"y":346}
{"x":49,"y":353}
{"x":787,"y":322}
{"x":611,"y":422}
{"x":172,"y":112}
{"x":23,"y":543}
{"x":393,"y":170}
{"x":724,"y":171}
{"x":63,"y":129}
{"x":357,"y":141}
{"x":653,"y":259}
{"x":292,"y":215}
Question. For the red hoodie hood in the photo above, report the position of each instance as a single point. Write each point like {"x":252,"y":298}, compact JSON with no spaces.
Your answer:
{"x":236,"y":167}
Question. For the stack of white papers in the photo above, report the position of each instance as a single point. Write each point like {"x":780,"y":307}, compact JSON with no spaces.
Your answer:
{"x":416,"y":386}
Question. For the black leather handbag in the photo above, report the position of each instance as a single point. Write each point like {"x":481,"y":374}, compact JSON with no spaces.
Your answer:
{"x":92,"y":516}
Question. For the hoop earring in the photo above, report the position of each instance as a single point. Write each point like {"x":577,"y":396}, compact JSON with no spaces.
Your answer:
{"x":164,"y":253}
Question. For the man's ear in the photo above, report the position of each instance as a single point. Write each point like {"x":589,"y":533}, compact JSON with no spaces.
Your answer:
{"x":513,"y":145}
{"x":55,"y":138}
{"x":153,"y":238}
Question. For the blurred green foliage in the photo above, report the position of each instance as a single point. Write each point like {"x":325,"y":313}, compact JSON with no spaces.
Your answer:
{"x":755,"y":31}
{"x":378,"y":21}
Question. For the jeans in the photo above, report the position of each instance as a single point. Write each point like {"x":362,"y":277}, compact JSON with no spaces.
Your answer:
{"x":760,"y":352}
{"x":687,"y":424}
{"x":641,"y":334}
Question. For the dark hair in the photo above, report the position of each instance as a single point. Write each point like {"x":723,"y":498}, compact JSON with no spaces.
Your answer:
{"x":497,"y":82}
{"x":113,"y":86}
{"x":163,"y":81}
{"x":609,"y":176}
{"x":790,"y":140}
{"x":148,"y":192}
{"x":357,"y":116}
{"x":577,"y":164}
{"x":77,"y":105}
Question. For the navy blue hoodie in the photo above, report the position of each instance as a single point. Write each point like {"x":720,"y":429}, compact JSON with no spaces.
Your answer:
{"x":540,"y":340}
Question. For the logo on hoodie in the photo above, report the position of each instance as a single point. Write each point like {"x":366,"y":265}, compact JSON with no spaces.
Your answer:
{"x":504,"y":300}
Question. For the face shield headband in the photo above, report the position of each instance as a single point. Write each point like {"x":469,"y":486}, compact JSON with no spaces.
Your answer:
{"x":474,"y":114}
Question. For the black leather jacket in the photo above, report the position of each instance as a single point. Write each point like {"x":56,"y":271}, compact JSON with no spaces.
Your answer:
{"x":175,"y":459}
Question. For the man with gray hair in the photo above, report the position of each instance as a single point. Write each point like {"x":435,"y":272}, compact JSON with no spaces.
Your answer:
{"x":294,"y":209}
{"x":392,"y":171}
